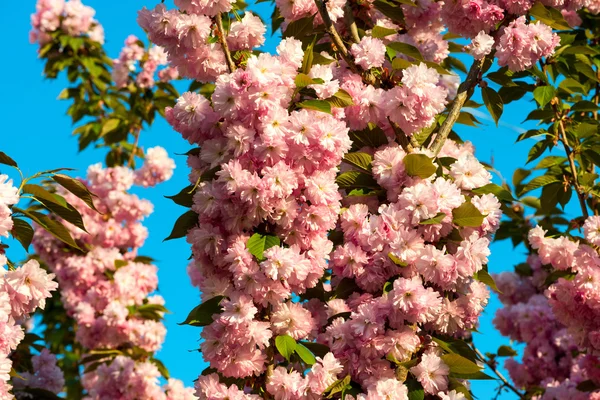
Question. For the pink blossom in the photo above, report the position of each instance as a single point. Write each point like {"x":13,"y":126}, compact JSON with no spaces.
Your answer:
{"x":432,"y":373}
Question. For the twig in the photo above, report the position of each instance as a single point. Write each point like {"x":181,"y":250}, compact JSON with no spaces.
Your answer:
{"x":335,"y":36}
{"x":565,"y":141}
{"x":223,"y":41}
{"x":136,"y":134}
{"x":499,"y":374}
{"x":349,"y":17}
{"x":401,"y":138}
{"x":465,"y":90}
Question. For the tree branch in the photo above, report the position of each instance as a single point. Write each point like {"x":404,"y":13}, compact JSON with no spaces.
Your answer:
{"x":223,"y":41}
{"x":401,"y":138}
{"x":498,"y":373}
{"x":349,"y":17}
{"x":565,"y":141}
{"x":465,"y":90}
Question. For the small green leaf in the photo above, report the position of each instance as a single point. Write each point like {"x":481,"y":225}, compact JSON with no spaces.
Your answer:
{"x":340,"y":99}
{"x":6,"y":160}
{"x":23,"y":232}
{"x":53,"y":227}
{"x":337,"y":386}
{"x":202,"y":315}
{"x":305,"y":354}
{"x":459,"y":364}
{"x":109,"y":125}
{"x":318,"y":349}
{"x":356,"y":180}
{"x":303,"y":80}
{"x":539,"y":182}
{"x":258,"y":243}
{"x":401,"y":63}
{"x":506,"y":351}
{"x":493,"y":102}
{"x":286,"y":345}
{"x":379,"y":31}
{"x":485,"y":277}
{"x":360,"y":160}
{"x":406,"y":49}
{"x":184,"y":223}
{"x":185,"y":197}
{"x":318,"y":105}
{"x":543,"y":95}
{"x":396,"y":260}
{"x":467,"y":215}
{"x":435,"y":220}
{"x":498,"y":191}
{"x":419,"y":165}
{"x":77,"y":188}
{"x":300,"y":28}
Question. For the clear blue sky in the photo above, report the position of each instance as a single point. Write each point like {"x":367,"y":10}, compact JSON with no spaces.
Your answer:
{"x":37,"y":133}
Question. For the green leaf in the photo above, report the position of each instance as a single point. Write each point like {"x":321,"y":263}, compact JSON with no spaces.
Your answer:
{"x":337,"y":386}
{"x":286,"y":345}
{"x":419,"y":165}
{"x":161,"y":367}
{"x":369,"y":137}
{"x":537,"y":150}
{"x":435,"y":220}
{"x":549,"y":16}
{"x":415,"y":390}
{"x":40,"y":394}
{"x":356,"y":180}
{"x":397,"y":260}
{"x":493,"y":102}
{"x":506,"y":351}
{"x":379,"y":31}
{"x":359,"y":160}
{"x":543,"y":95}
{"x":401,"y":63}
{"x":459,"y":364}
{"x":184,"y":223}
{"x":340,"y":99}
{"x":556,"y":275}
{"x":307,"y":60}
{"x":345,"y":288}
{"x":390,"y":10}
{"x":109,"y":125}
{"x":305,"y":354}
{"x":479,"y":375}
{"x":406,"y":49}
{"x":467,"y":215}
{"x":53,"y":227}
{"x":318,"y":349}
{"x":202,"y":315}
{"x":6,"y":160}
{"x":185,"y":197}
{"x":485,"y":277}
{"x":55,"y":204}
{"x":321,"y":59}
{"x":300,"y":28}
{"x":550,"y":161}
{"x":77,"y":188}
{"x":585,"y":106}
{"x":318,"y":105}
{"x":496,"y":190}
{"x":258,"y":243}
{"x":539,"y":182}
{"x":303,"y":80}
{"x":23,"y":232}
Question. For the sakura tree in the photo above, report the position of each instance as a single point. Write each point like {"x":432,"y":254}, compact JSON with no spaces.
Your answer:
{"x":339,"y":226}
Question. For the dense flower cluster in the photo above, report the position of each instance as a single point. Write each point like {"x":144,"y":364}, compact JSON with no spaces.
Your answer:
{"x":559,"y":323}
{"x":107,"y":288}
{"x":267,"y":170}
{"x":150,"y":60}
{"x":46,"y":374}
{"x":72,"y":17}
{"x":22,"y":291}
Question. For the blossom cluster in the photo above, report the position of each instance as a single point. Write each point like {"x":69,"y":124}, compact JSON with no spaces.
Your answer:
{"x":558,"y":323}
{"x":107,"y":288}
{"x":72,"y":17}
{"x":134,"y":53}
{"x":22,"y":291}
{"x":267,"y":169}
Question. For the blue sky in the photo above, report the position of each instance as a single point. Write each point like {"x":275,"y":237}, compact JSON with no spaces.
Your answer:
{"x":37,"y":133}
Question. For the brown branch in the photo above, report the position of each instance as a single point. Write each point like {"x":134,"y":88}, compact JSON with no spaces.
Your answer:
{"x":335,"y":36}
{"x":137,"y":132}
{"x":465,"y":91}
{"x":349,"y":17}
{"x":565,"y":141}
{"x":223,"y":41}
{"x":401,"y":138}
{"x":498,"y":374}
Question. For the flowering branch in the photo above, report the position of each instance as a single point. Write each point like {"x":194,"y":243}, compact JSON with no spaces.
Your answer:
{"x":223,"y":41}
{"x":505,"y":381}
{"x":402,"y":139}
{"x":465,"y":90}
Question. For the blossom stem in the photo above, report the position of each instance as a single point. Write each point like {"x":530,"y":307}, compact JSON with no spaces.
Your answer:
{"x":465,"y":90}
{"x":498,"y":374}
{"x":565,"y":141}
{"x":136,"y":134}
{"x":349,"y":17}
{"x":401,"y":137}
{"x":223,"y":41}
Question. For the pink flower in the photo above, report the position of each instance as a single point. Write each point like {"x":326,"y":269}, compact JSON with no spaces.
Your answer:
{"x":432,"y":373}
{"x":292,"y":319}
{"x":480,"y":46}
{"x":369,"y":52}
